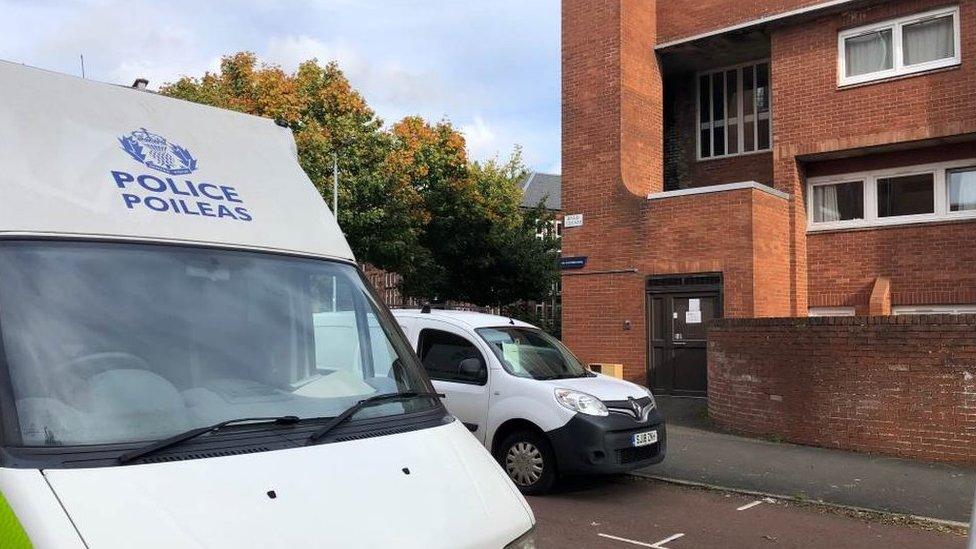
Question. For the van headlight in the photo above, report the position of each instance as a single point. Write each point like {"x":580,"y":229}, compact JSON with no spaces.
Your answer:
{"x":581,"y":402}
{"x":525,"y":541}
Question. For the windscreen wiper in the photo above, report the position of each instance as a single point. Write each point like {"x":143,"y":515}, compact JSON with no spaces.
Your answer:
{"x":193,"y":433}
{"x":365,"y":403}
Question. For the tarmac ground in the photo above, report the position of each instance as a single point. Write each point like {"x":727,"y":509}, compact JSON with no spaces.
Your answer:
{"x":626,"y":511}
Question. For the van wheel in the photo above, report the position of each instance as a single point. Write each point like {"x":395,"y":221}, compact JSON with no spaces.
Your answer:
{"x":529,"y":461}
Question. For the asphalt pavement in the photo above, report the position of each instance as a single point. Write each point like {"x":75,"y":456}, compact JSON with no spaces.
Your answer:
{"x":698,"y":453}
{"x":621,"y":512}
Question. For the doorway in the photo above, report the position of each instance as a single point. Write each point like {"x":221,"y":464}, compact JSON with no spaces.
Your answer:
{"x":679,"y":309}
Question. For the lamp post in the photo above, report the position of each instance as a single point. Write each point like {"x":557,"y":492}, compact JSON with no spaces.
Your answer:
{"x":335,"y":185}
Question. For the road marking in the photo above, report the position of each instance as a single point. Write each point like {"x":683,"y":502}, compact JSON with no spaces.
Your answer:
{"x":749,"y":505}
{"x":655,"y":545}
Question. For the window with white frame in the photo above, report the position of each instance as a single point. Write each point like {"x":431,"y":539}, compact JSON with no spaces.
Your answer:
{"x":897,"y":47}
{"x":934,"y":310}
{"x":830,"y":311}
{"x":734,"y":111}
{"x":932,"y":192}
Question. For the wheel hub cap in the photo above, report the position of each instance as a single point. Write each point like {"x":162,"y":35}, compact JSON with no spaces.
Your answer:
{"x":523,"y":463}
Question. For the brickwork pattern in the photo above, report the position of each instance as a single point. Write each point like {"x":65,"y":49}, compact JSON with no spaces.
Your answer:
{"x":898,"y":386}
{"x":682,"y":19}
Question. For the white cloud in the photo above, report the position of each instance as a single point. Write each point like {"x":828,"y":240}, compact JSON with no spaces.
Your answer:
{"x":492,"y":64}
{"x":291,"y":51}
{"x":480,"y":139}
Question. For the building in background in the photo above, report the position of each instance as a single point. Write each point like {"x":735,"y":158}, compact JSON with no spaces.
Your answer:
{"x":777,"y":158}
{"x":546,"y":189}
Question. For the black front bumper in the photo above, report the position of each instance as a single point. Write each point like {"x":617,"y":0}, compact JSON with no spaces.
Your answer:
{"x":593,"y":444}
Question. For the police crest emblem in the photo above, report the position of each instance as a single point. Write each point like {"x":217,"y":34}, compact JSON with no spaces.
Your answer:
{"x":156,"y":152}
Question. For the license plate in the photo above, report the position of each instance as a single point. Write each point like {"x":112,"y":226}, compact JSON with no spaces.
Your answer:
{"x":643,"y":439}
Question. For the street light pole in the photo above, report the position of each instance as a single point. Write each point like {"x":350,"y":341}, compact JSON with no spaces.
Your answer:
{"x":335,"y":185}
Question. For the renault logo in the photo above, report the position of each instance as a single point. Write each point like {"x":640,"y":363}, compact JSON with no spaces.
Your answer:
{"x":636,"y":407}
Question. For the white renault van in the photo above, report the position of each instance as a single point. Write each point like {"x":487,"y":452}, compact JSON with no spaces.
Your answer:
{"x":189,"y":356}
{"x":525,"y":396}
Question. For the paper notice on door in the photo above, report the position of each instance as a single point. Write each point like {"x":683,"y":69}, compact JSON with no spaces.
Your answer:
{"x":693,"y":317}
{"x":694,"y":304}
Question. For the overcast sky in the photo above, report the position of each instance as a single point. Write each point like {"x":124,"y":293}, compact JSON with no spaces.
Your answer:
{"x":490,"y":66}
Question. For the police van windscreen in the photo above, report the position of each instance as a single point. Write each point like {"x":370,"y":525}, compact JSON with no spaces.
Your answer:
{"x":110,"y":342}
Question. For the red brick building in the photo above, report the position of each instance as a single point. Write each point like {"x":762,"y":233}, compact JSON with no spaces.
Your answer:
{"x":776,"y":158}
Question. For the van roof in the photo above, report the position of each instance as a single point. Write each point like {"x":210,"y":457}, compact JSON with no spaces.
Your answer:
{"x":86,"y":159}
{"x":471,"y":319}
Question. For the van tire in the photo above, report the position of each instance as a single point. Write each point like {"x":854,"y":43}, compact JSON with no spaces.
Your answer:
{"x":519,"y":452}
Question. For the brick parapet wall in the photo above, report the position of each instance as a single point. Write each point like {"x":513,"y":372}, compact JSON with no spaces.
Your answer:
{"x":902,"y":386}
{"x":739,"y":233}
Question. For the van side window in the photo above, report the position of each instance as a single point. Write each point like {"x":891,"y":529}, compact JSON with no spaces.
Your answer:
{"x":443,"y":353}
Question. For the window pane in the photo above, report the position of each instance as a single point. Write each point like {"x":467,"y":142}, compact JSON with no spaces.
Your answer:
{"x":868,"y":53}
{"x":732,"y":110}
{"x":718,"y":92}
{"x":748,"y":110}
{"x":704,"y":109}
{"x":762,"y":88}
{"x":929,"y":40}
{"x":962,"y":189}
{"x":838,"y":202}
{"x":747,"y":91}
{"x":733,"y":139}
{"x":763,"y":133}
{"x":719,"y":148}
{"x":732,"y":94}
{"x":705,"y":114}
{"x":442,"y":353}
{"x":910,"y":195}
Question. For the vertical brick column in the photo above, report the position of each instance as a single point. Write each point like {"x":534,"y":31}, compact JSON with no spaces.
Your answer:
{"x":612,"y":159}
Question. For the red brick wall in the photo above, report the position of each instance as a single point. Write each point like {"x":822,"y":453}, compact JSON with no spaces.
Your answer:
{"x":715,"y":232}
{"x":927,"y":264}
{"x":771,"y":256}
{"x":684,"y":18}
{"x":899,"y":386}
{"x":812,"y":115}
{"x":612,"y":159}
{"x":881,"y":161}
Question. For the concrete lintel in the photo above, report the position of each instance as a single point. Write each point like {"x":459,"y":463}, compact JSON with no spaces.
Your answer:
{"x":720,"y":189}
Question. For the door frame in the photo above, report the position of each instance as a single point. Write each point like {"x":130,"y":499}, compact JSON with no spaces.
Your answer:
{"x":689,"y":285}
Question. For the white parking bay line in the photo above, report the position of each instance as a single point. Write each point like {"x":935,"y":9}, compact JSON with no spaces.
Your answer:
{"x":749,"y":505}
{"x":655,"y":545}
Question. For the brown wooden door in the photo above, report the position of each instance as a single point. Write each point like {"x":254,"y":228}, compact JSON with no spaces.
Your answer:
{"x":677,"y":344}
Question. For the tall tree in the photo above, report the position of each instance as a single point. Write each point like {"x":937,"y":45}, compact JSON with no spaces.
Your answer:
{"x":379,"y":215}
{"x":481,"y":243}
{"x":410,"y":200}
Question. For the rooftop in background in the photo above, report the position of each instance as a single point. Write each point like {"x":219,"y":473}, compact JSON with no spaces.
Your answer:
{"x":539,"y":187}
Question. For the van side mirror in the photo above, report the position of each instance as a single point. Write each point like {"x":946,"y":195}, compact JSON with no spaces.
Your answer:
{"x":472,"y":369}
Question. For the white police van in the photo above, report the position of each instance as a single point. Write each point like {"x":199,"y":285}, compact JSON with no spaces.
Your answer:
{"x":166,"y":271}
{"x":525,"y":396}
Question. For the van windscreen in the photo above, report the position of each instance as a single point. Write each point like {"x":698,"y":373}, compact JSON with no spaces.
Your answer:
{"x":108,"y":342}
